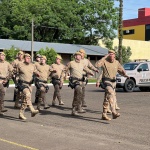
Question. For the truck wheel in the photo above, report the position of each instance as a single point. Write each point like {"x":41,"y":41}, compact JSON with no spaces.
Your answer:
{"x":144,"y":89}
{"x":129,"y":85}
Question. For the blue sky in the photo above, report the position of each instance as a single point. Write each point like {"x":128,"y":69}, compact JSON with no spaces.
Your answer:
{"x":130,"y":7}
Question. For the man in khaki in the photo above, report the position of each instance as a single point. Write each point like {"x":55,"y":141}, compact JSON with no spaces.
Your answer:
{"x":110,"y":67}
{"x":41,"y":82}
{"x":17,"y":94}
{"x":91,"y":67}
{"x":76,"y":69}
{"x":38,"y":60}
{"x":25,"y":72}
{"x":56,"y":80}
{"x":98,"y":84}
{"x":5,"y":75}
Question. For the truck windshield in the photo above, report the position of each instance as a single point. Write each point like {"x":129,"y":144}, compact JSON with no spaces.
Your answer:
{"x":130,"y":66}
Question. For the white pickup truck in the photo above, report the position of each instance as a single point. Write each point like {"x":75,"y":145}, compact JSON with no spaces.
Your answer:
{"x":139,"y":73}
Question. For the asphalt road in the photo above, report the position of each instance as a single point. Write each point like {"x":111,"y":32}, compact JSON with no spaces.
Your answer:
{"x":56,"y":129}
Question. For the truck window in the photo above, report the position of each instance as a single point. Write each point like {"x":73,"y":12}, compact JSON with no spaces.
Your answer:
{"x":144,"y":67}
{"x":130,"y":66}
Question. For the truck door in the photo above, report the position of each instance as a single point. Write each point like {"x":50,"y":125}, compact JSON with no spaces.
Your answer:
{"x":143,"y":74}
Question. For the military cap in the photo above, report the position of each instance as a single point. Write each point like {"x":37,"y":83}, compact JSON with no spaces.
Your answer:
{"x":59,"y":57}
{"x":44,"y":57}
{"x":2,"y":53}
{"x":38,"y":55}
{"x":27,"y":55}
{"x":77,"y":53}
{"x":111,"y":51}
{"x":82,"y":51}
{"x":20,"y":52}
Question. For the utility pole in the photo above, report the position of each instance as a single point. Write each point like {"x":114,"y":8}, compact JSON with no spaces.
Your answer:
{"x":32,"y":28}
{"x":120,"y":30}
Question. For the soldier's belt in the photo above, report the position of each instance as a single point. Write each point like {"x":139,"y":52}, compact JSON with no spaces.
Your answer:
{"x":55,"y":78}
{"x":26,"y":82}
{"x":108,"y":79}
{"x":79,"y":79}
{"x":2,"y":78}
{"x":38,"y":80}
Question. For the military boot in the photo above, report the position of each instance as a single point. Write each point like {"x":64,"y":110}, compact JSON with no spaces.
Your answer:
{"x":81,"y":110}
{"x":21,"y":115}
{"x":115,"y":115}
{"x":46,"y":106}
{"x":117,"y":108}
{"x":108,"y":110}
{"x":53,"y":102}
{"x":39,"y":104}
{"x":2,"y":109}
{"x":105,"y":117}
{"x":74,"y":112}
{"x":84,"y":103}
{"x":61,"y":103}
{"x":33,"y":111}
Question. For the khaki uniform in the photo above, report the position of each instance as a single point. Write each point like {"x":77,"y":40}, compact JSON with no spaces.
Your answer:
{"x":57,"y":81}
{"x":25,"y":72}
{"x":110,"y":70}
{"x":76,"y":69}
{"x":17,"y":93}
{"x":5,"y":74}
{"x":88,"y":64}
{"x":42,"y":87}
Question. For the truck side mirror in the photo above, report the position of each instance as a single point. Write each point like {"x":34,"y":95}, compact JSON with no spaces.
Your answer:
{"x":139,"y":69}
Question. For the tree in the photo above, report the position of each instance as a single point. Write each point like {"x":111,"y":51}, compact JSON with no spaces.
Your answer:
{"x":11,"y":53}
{"x":49,"y":53}
{"x":126,"y":53}
{"x":67,"y":21}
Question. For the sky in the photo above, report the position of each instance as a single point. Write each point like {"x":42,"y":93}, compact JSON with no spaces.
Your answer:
{"x":130,"y":7}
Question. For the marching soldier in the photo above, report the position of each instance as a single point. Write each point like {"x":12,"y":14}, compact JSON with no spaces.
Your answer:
{"x":17,"y":93}
{"x":25,"y":72}
{"x":91,"y":67}
{"x":38,"y":60}
{"x":110,"y":68}
{"x":76,"y":79}
{"x":56,"y":80}
{"x":41,"y":82}
{"x":5,"y":75}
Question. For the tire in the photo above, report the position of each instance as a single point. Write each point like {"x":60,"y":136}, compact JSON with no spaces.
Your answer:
{"x":144,"y":89}
{"x":129,"y":85}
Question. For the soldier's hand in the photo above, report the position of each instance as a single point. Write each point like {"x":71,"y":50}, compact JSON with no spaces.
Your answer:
{"x":4,"y":81}
{"x":97,"y":84}
{"x":61,"y":84}
{"x":54,"y":70}
{"x":97,"y":71}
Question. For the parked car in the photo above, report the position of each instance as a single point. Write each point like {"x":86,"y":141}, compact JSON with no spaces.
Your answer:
{"x":139,"y":73}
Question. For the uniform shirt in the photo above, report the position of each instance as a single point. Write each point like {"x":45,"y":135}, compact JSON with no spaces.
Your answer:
{"x":76,"y":69}
{"x":44,"y":71}
{"x":110,"y":69}
{"x":15,"y":63}
{"x":5,"y":70}
{"x":59,"y":74}
{"x":88,"y":64}
{"x":26,"y":71}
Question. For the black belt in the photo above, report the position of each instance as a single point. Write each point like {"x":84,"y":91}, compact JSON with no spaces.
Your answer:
{"x":55,"y":78}
{"x":26,"y":82}
{"x":108,"y":79}
{"x":41,"y":81}
{"x":79,"y":79}
{"x":2,"y":78}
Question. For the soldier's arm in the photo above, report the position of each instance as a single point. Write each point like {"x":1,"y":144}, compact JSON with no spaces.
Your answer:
{"x":67,"y":70}
{"x":88,"y":71}
{"x":100,"y":62}
{"x":92,"y":67}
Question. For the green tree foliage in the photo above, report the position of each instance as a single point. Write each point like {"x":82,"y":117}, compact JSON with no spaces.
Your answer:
{"x":126,"y":53}
{"x":49,"y":53}
{"x":64,"y":21}
{"x":11,"y":53}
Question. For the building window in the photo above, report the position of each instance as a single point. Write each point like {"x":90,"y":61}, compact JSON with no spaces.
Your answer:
{"x":127,"y":32}
{"x":147,"y":32}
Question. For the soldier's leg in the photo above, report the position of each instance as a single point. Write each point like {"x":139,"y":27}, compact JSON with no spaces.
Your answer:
{"x":36,"y":96}
{"x":83,"y":97}
{"x":2,"y":95}
{"x":18,"y":97}
{"x":111,"y":96}
{"x":54,"y":96}
{"x":27,"y":95}
{"x":22,"y":109}
{"x":39,"y":101}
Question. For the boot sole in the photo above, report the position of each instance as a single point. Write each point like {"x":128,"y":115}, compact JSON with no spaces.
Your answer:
{"x":4,"y":110}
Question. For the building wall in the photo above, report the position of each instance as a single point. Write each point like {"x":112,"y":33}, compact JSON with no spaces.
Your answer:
{"x":134,"y":32}
{"x":140,"y":49}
